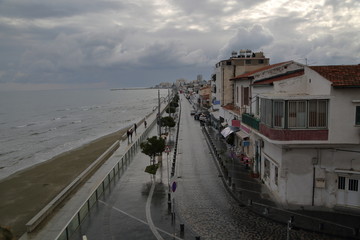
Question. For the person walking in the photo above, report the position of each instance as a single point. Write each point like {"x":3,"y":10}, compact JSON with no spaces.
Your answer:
{"x":135,"y":127}
{"x":145,"y":123}
{"x":131,"y":132}
{"x":128,"y":134}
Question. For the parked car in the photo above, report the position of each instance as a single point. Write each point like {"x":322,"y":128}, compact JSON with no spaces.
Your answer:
{"x":197,"y":115}
{"x":192,"y":113}
{"x":202,"y":118}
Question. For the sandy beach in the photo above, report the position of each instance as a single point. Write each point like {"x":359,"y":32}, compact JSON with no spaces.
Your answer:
{"x":26,"y":192}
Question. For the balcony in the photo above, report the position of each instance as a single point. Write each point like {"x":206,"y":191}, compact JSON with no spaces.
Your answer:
{"x":251,"y":121}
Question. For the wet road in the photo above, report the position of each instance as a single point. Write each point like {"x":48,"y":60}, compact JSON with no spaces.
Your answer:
{"x":135,"y":206}
{"x":202,"y":201}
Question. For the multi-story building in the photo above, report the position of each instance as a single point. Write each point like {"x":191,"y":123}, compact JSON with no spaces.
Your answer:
{"x":223,"y":87}
{"x":302,"y":125}
{"x":204,"y":96}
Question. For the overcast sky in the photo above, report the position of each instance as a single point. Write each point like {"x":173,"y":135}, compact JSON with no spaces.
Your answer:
{"x":131,"y":43}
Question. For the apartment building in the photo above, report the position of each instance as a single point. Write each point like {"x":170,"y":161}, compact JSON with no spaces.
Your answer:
{"x":301,"y":126}
{"x":223,"y":88}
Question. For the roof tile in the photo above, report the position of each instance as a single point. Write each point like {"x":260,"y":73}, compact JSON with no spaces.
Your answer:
{"x":340,"y":75}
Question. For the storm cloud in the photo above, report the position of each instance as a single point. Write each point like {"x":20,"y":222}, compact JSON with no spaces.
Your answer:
{"x":109,"y":43}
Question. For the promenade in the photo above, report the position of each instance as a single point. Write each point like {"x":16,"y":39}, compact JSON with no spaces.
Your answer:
{"x":203,"y":161}
{"x":56,"y":226}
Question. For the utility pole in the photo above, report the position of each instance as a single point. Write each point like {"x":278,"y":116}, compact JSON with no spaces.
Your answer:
{"x":159,"y":117}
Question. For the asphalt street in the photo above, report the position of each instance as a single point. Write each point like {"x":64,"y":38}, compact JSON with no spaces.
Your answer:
{"x":135,"y":206}
{"x":204,"y":204}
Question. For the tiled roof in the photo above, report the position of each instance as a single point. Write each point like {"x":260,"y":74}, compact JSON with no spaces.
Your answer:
{"x":280,"y":77}
{"x":248,"y":74}
{"x":340,"y":75}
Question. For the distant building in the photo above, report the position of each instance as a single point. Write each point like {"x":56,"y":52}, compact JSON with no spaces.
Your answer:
{"x":204,"y":96}
{"x":180,"y":82}
{"x":300,"y":128}
{"x":223,"y":88}
{"x":164,"y":85}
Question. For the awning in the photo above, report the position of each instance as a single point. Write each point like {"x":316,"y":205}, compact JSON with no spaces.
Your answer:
{"x":215,"y":115}
{"x":224,"y":124}
{"x":242,"y":134}
{"x":229,"y":130}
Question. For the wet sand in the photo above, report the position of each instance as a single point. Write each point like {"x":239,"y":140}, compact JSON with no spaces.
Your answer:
{"x":26,"y":192}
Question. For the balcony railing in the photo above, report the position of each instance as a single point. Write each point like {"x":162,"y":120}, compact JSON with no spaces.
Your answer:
{"x":251,"y":121}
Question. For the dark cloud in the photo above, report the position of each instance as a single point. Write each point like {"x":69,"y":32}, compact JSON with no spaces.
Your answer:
{"x":254,"y":38}
{"x":141,"y":43}
{"x":53,"y":9}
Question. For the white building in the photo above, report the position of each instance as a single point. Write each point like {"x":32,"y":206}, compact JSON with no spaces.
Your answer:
{"x":304,"y":128}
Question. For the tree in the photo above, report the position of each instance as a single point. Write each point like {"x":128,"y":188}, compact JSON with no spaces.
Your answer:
{"x":170,"y":110}
{"x":176,"y":98}
{"x":152,"y":147}
{"x":168,"y":122}
{"x":174,"y":104}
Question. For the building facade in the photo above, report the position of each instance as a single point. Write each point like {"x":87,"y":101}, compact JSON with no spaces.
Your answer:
{"x":302,"y":130}
{"x":223,"y":88}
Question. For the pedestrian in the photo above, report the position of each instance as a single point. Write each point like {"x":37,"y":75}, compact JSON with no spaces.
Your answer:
{"x":131,"y":132}
{"x":145,"y":123}
{"x":128,"y":134}
{"x":135,"y":127}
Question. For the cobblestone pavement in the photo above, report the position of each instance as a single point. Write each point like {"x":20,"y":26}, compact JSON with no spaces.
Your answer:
{"x":204,"y":205}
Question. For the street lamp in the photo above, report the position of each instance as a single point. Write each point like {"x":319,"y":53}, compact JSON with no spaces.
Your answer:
{"x":159,"y":114}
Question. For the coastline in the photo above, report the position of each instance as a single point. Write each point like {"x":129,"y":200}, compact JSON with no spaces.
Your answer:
{"x":27,"y":191}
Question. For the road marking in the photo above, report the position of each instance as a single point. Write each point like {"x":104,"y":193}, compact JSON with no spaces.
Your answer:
{"x":148,"y":213}
{"x":139,"y":220}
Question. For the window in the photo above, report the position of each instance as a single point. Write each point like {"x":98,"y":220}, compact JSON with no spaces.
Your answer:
{"x":341,"y":183}
{"x":257,"y":103}
{"x":247,"y":61}
{"x":266,"y":111}
{"x":278,"y":114}
{"x":266,"y":168}
{"x":317,"y":113}
{"x":276,"y":175}
{"x":237,"y":94}
{"x":297,"y":114}
{"x":261,"y":61}
{"x":246,"y":96}
{"x":357,"y":115}
{"x":353,"y":185}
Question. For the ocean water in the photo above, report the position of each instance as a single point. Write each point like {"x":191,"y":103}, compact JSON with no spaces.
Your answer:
{"x":38,"y":125}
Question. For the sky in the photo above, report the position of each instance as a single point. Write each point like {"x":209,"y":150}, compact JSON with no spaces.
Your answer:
{"x":66,"y":44}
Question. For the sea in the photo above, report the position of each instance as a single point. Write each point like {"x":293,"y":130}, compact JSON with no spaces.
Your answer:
{"x":38,"y":125}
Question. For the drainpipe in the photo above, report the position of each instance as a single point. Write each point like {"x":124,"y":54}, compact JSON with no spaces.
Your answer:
{"x":313,"y":188}
{"x":315,"y":161}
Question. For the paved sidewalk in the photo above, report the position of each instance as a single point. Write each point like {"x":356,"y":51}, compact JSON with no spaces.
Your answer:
{"x":253,"y":193}
{"x":52,"y":228}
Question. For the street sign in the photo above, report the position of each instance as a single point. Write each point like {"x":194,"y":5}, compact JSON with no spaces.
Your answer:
{"x":173,"y":186}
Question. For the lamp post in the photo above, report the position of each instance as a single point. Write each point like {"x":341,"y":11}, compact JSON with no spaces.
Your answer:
{"x":158,"y":115}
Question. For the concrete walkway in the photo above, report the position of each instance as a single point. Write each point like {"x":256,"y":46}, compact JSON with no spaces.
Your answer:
{"x":54,"y":226}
